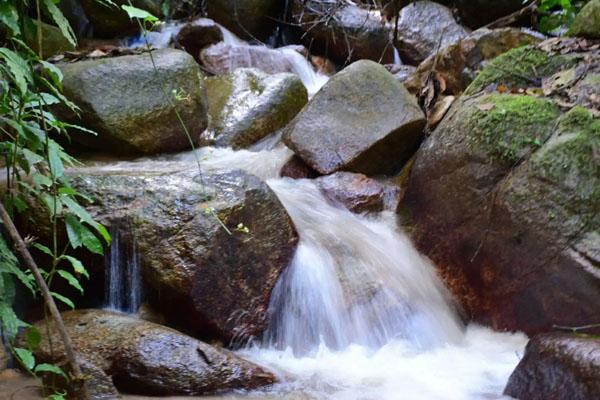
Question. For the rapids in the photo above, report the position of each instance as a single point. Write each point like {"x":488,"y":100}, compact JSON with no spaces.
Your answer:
{"x":359,"y":314}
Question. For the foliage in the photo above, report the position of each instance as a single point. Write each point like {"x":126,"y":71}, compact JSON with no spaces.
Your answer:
{"x":556,"y":16}
{"x":35,"y":164}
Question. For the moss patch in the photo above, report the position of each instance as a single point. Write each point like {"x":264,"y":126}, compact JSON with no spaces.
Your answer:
{"x":521,"y":67}
{"x":570,"y":158}
{"x":509,"y":126}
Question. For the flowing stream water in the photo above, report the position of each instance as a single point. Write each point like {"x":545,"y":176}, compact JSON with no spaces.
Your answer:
{"x":359,"y":314}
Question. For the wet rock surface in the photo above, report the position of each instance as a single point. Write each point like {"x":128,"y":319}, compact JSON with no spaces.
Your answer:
{"x":359,"y":193}
{"x":503,"y":195}
{"x":425,"y":27}
{"x":362,"y":120}
{"x":139,"y":357}
{"x":248,"y":105}
{"x":201,"y":270}
{"x":132,"y":107}
{"x":587,"y":22}
{"x":557,"y":366}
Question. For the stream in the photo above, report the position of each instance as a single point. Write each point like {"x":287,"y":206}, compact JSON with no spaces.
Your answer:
{"x":359,"y":314}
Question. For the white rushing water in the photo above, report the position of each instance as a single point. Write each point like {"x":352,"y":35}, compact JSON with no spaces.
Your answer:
{"x":359,"y":314}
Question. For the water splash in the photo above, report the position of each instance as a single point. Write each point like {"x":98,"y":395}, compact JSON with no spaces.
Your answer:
{"x":123,"y":281}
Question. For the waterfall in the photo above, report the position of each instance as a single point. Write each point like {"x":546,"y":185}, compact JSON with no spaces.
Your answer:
{"x":123,"y":281}
{"x":359,"y":313}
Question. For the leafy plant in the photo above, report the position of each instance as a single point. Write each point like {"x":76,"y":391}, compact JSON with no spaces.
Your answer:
{"x":556,"y":16}
{"x":35,"y":164}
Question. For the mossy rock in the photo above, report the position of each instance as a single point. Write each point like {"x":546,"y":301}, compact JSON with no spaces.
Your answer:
{"x":523,"y":67}
{"x":248,"y":105}
{"x":504,"y":195}
{"x":587,"y":22}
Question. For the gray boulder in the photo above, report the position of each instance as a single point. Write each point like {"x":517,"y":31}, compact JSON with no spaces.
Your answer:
{"x":557,"y":366}
{"x":132,"y":107}
{"x":248,"y":105}
{"x":425,"y":27}
{"x":200,"y":267}
{"x":363,"y":120}
{"x":140,"y":357}
{"x":197,"y":35}
{"x":587,"y":22}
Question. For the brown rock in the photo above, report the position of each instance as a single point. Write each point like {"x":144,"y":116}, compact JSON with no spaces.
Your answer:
{"x":557,"y":366}
{"x":295,"y":168}
{"x":358,"y":193}
{"x":140,"y":357}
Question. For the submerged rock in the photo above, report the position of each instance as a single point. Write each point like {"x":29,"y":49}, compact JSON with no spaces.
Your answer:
{"x":363,"y":120}
{"x":132,"y":107}
{"x":425,"y":27}
{"x":504,"y":195}
{"x":201,"y":268}
{"x":249,"y":105}
{"x":249,"y":19}
{"x":557,"y":366}
{"x":140,"y":357}
{"x":197,"y":35}
{"x":224,"y":58}
{"x":587,"y":22}
{"x":343,"y":32}
{"x":359,"y":193}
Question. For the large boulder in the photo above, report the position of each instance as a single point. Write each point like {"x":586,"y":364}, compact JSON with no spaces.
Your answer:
{"x":53,"y":41}
{"x":425,"y":27}
{"x":140,"y":357}
{"x":363,"y":120}
{"x":343,"y":32}
{"x":587,"y":22}
{"x":557,"y":366}
{"x":248,"y":105}
{"x":134,"y":107}
{"x":504,"y":194}
{"x":211,"y":246}
{"x":110,"y":20}
{"x":249,"y":19}
{"x":223,"y":58}
{"x":458,"y":63}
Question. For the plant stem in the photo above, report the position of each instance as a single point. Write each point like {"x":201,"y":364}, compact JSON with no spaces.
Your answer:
{"x":25,"y":255}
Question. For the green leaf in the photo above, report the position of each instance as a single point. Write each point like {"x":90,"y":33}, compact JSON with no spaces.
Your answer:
{"x":34,"y":338}
{"x":55,"y":73}
{"x":64,"y":299}
{"x":61,"y":21}
{"x":10,"y":17}
{"x":51,"y":368}
{"x":54,"y":158}
{"x":77,"y":266}
{"x":86,"y":217}
{"x":79,"y":235}
{"x":71,"y":279}
{"x":26,"y":357}
{"x":18,"y":67}
{"x":43,"y":249}
{"x":31,"y":157}
{"x":134,"y":12}
{"x":10,"y":322}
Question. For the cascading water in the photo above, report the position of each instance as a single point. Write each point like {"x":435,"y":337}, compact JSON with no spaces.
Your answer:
{"x":123,"y":282}
{"x":359,"y":314}
{"x":302,"y":67}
